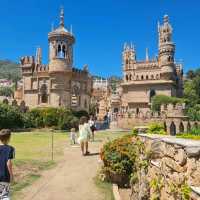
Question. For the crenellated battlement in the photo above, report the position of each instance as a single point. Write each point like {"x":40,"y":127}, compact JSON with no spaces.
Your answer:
{"x":177,"y":110}
{"x":27,"y":60}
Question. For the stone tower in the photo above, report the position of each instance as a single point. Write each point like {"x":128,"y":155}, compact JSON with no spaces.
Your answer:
{"x":129,"y":55}
{"x":60,"y":63}
{"x":60,"y":47}
{"x":166,"y":50}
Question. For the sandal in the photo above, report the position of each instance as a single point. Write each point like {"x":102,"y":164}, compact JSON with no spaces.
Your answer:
{"x":87,"y":153}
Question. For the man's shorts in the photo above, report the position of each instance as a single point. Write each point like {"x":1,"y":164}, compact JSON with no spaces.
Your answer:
{"x":4,"y":191}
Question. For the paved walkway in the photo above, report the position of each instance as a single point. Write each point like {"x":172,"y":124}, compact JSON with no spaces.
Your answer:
{"x":70,"y":180}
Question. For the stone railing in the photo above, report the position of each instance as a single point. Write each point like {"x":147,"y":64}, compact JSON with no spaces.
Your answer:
{"x":174,"y":167}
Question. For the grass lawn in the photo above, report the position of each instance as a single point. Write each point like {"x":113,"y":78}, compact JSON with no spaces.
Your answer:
{"x":188,"y":136}
{"x":33,"y":155}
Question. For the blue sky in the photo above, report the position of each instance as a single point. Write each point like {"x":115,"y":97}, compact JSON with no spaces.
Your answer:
{"x":100,"y":27}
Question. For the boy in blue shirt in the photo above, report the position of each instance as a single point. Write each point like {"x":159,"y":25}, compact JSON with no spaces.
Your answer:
{"x":6,"y":172}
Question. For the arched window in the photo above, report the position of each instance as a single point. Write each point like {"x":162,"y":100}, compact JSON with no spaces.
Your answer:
{"x":137,"y":77}
{"x":64,"y":51}
{"x":142,"y":77}
{"x":188,"y":127}
{"x":157,"y":76}
{"x":147,"y":77}
{"x":152,"y":77}
{"x":130,"y":77}
{"x":61,"y":51}
{"x":85,"y":104}
{"x":151,"y":94}
{"x":196,"y":125}
{"x":126,"y":77}
{"x":137,"y":111}
{"x":165,"y":126}
{"x":43,"y":91}
{"x":181,"y":128}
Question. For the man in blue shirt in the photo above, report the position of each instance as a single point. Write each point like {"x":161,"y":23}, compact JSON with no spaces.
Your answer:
{"x":6,"y":155}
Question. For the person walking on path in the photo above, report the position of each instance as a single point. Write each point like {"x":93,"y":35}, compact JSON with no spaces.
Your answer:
{"x":84,"y":135}
{"x":6,"y":172}
{"x":92,"y":126}
{"x":73,"y":136}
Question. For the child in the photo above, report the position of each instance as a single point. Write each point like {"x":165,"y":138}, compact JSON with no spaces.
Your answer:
{"x":6,"y":155}
{"x":73,"y":136}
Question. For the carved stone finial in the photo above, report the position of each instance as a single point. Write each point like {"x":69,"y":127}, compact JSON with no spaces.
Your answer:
{"x":85,"y":67}
{"x":166,"y":18}
{"x":62,"y":23}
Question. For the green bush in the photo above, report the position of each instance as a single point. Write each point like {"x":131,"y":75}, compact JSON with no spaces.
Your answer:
{"x":195,"y":131}
{"x":35,"y":118}
{"x":67,"y":120}
{"x":156,"y":128}
{"x":80,"y":113}
{"x":158,"y":100}
{"x":193,"y":112}
{"x":10,"y":117}
{"x":61,"y":118}
{"x":119,"y":157}
{"x":6,"y":91}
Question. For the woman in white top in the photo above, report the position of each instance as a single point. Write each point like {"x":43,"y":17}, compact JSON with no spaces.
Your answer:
{"x":84,"y":135}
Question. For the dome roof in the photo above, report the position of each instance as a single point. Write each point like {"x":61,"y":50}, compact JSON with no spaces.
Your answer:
{"x":61,"y":30}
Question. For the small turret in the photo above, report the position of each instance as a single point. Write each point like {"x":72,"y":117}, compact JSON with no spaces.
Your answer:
{"x":166,"y":50}
{"x":27,"y":65}
{"x":129,"y":56}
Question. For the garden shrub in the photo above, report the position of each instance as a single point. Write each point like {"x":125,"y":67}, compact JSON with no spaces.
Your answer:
{"x":119,"y":157}
{"x":80,"y":113}
{"x":195,"y":131}
{"x":67,"y":120}
{"x":156,"y":128}
{"x":61,"y":118}
{"x":10,"y":117}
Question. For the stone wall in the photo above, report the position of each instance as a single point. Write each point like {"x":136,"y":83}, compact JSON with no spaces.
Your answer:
{"x":130,"y":123}
{"x":173,"y":170}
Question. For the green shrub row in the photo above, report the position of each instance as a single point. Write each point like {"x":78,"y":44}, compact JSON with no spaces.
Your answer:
{"x":59,"y":118}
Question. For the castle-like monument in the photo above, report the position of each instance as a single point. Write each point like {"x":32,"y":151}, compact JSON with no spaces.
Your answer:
{"x":58,"y":83}
{"x":144,"y":79}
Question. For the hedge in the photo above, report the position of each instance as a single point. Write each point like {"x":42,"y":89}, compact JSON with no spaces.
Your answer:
{"x":59,"y":118}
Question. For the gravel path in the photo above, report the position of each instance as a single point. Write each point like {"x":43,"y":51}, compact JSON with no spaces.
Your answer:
{"x":70,"y":180}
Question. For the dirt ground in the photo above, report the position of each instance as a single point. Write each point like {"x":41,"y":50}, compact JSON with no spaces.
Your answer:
{"x":72,"y":179}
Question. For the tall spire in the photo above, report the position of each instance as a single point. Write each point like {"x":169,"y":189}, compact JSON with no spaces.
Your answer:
{"x":62,"y":24}
{"x":71,"y":29}
{"x":39,"y":56}
{"x":147,"y":54}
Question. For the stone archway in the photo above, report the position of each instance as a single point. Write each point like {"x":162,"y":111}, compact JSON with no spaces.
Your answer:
{"x":196,"y":125}
{"x":188,"y":127}
{"x":44,"y":93}
{"x":181,"y":128}
{"x":165,"y":126}
{"x":172,"y":129}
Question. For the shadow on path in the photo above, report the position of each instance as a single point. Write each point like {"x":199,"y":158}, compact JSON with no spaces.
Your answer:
{"x":93,"y":154}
